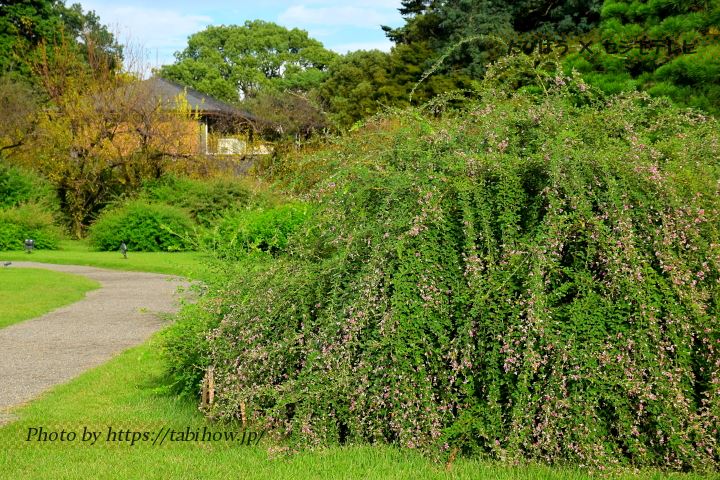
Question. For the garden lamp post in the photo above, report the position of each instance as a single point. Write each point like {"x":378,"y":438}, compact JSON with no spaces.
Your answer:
{"x":29,"y":245}
{"x":123,"y":250}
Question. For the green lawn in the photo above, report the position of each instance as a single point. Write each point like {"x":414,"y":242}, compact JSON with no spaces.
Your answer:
{"x":74,"y":252}
{"x":30,"y":292}
{"x":127,"y":394}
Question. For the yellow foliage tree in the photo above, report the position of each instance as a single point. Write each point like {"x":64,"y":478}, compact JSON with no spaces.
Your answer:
{"x":103,"y":132}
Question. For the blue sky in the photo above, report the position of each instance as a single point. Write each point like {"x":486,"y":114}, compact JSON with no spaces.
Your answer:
{"x":160,"y":28}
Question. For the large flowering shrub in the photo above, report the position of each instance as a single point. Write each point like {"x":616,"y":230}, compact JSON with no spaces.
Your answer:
{"x":535,"y":277}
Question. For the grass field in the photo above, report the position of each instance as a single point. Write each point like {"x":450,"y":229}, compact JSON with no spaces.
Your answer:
{"x":30,"y":292}
{"x":127,"y":394}
{"x":74,"y":252}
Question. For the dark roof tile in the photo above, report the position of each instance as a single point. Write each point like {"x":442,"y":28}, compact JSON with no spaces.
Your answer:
{"x":204,"y":104}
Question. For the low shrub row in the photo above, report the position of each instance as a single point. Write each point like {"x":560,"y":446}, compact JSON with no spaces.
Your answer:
{"x":225,"y":216}
{"x":221,"y":216}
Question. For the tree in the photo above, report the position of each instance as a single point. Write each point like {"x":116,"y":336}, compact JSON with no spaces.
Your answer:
{"x":661,"y":47}
{"x":447,"y":25}
{"x":236,"y":61}
{"x":358,"y":84}
{"x":103,"y":134}
{"x":26,"y":24}
{"x":362,"y":83}
{"x":18,"y":106}
{"x":283,"y":114}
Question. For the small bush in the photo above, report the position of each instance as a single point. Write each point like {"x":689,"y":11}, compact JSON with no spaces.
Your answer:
{"x":143,"y":227}
{"x":262,"y":229}
{"x":185,"y":349}
{"x":27,"y":221}
{"x":205,"y":200}
{"x":18,"y":187}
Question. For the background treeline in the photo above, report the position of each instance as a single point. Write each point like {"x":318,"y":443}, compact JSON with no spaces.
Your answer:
{"x":271,"y":69}
{"x":68,"y":99}
{"x":299,"y":87}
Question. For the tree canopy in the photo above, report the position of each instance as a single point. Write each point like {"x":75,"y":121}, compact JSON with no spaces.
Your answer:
{"x":361,"y":83}
{"x":235,"y":61}
{"x":444,"y":24}
{"x":667,"y":48}
{"x":26,"y":24}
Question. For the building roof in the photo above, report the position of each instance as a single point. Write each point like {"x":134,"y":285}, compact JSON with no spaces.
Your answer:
{"x":204,"y":104}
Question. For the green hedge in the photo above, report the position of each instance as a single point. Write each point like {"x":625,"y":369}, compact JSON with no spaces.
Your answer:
{"x":143,"y":227}
{"x":267,"y":229}
{"x":27,"y":221}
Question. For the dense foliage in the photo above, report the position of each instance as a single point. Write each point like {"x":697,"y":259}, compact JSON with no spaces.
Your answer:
{"x":205,"y":200}
{"x":667,"y":48}
{"x":143,"y":227}
{"x":265,"y":229}
{"x":287,"y":114}
{"x":19,"y":187}
{"x":362,"y":83}
{"x":443,"y":24}
{"x":26,"y":24}
{"x":184,"y":343}
{"x":235,"y":61}
{"x":680,"y":57}
{"x":31,"y":220}
{"x":26,"y":210}
{"x":534,"y":278}
{"x":18,"y":106}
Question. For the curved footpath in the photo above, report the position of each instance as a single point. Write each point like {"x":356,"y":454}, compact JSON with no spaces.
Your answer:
{"x":45,"y":351}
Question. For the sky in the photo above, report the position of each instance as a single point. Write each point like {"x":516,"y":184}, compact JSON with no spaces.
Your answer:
{"x":160,"y":28}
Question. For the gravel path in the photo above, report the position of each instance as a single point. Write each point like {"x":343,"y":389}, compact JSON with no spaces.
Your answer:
{"x":45,"y":351}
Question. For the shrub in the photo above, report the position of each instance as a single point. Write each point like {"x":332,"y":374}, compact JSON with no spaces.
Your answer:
{"x":206,"y":200}
{"x":268,"y":229}
{"x":143,"y":227}
{"x":536,"y":278}
{"x":27,"y":221}
{"x":18,"y":187}
{"x":185,"y":346}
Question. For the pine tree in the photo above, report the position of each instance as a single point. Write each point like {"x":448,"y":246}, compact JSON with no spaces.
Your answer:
{"x":667,"y":48}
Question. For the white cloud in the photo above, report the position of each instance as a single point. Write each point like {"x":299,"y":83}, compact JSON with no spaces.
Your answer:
{"x":347,"y":16}
{"x":157,"y":27}
{"x":159,"y":31}
{"x":385,"y":46}
{"x":321,"y":33}
{"x":384,"y":4}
